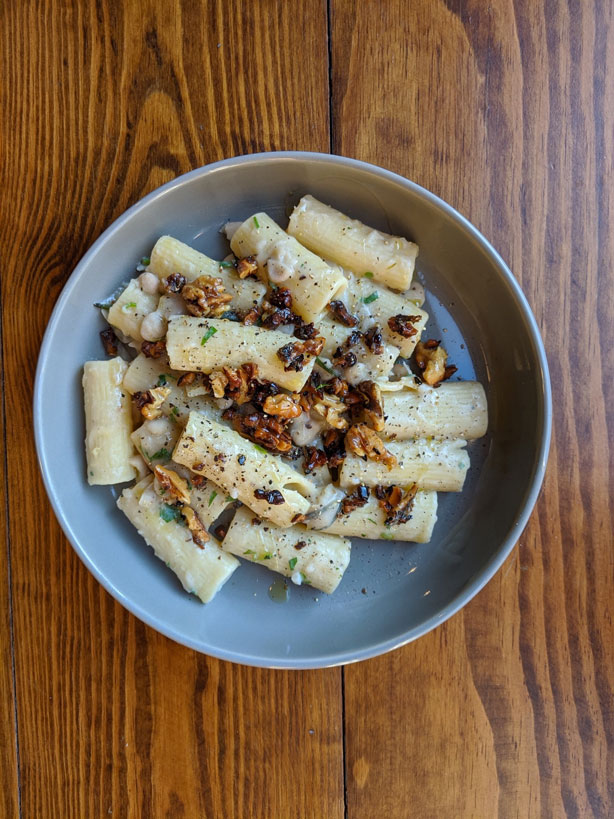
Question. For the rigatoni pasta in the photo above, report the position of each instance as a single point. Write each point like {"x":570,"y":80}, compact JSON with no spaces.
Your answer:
{"x":272,"y":404}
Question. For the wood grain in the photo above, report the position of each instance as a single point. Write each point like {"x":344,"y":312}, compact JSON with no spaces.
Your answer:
{"x":504,"y":110}
{"x":101,"y":103}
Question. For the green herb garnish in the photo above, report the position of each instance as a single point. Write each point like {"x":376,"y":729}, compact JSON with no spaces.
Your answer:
{"x":229,"y":499}
{"x":210,"y":332}
{"x":324,"y":366}
{"x":266,"y":556}
{"x":372,"y":297}
{"x":256,"y":222}
{"x":260,"y":448}
{"x":161,"y":454}
{"x":304,"y":580}
{"x":368,"y":274}
{"x":145,"y":260}
{"x":169,"y":513}
{"x":175,"y":414}
{"x":226,"y":264}
{"x":386,"y":536}
{"x":372,"y":521}
{"x":292,"y":562}
{"x":128,"y":306}
{"x":249,"y":552}
{"x":212,"y":497}
{"x":161,"y":380}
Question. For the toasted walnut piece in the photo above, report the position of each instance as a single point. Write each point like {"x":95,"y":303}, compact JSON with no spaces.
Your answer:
{"x":305,"y":331}
{"x":252,"y":315}
{"x":273,"y":317}
{"x":262,"y":390}
{"x":109,"y":341}
{"x":396,"y":502}
{"x":314,"y":458}
{"x":219,"y":382}
{"x":272,"y":496}
{"x":355,"y":500}
{"x":176,"y":486}
{"x":199,"y":533}
{"x":300,"y":544}
{"x":186,"y":379}
{"x":343,"y":356}
{"x":198,"y":467}
{"x":281,"y":297}
{"x":247,"y":266}
{"x":153,"y":349}
{"x":340,"y":311}
{"x":331,"y":408}
{"x":198,"y":481}
{"x":265,"y":430}
{"x":205,"y":296}
{"x":334,"y":447}
{"x":149,"y":402}
{"x":374,"y":341}
{"x":174,"y":283}
{"x":284,"y":406}
{"x":403,"y":325}
{"x":431,"y":358}
{"x":293,"y":354}
{"x":364,"y":442}
{"x":372,"y":412}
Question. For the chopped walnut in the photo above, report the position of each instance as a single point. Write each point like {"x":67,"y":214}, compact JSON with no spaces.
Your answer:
{"x":174,"y":283}
{"x":153,"y":349}
{"x":305,"y":331}
{"x":334,"y":446}
{"x":198,"y":481}
{"x":272,"y":496}
{"x":186,"y":379}
{"x":176,"y":486}
{"x":206,"y":296}
{"x":355,"y":500}
{"x":248,"y":266}
{"x":109,"y":341}
{"x":372,"y":412}
{"x":364,"y":442}
{"x":431,"y":359}
{"x":293,"y":354}
{"x":374,"y":340}
{"x":262,"y":390}
{"x":300,"y":544}
{"x":403,"y":325}
{"x":396,"y":502}
{"x":314,"y":458}
{"x":340,"y":311}
{"x":265,"y":430}
{"x":284,"y":406}
{"x":343,"y":356}
{"x":252,"y":315}
{"x":150,"y":401}
{"x":199,"y":533}
{"x":276,"y":317}
{"x":219,"y":382}
{"x":331,"y":409}
{"x":281,"y":297}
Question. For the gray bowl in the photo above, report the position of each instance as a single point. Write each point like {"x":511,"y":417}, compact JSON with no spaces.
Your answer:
{"x":392,"y":593}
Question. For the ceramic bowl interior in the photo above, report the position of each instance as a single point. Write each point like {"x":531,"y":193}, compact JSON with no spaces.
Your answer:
{"x":392,"y":593}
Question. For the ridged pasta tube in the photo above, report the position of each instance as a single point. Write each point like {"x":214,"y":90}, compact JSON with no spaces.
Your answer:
{"x":243,"y":470}
{"x":131,"y":307}
{"x":201,"y":571}
{"x":205,"y":345}
{"x":440,"y":466}
{"x":311,"y":281}
{"x":368,"y":521}
{"x":310,"y":558}
{"x":455,"y":409}
{"x":172,"y":256}
{"x":108,"y":423}
{"x":350,"y":243}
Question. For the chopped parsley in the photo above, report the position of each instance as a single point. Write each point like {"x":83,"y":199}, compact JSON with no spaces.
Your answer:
{"x":128,"y":306}
{"x":226,"y":264}
{"x":249,"y":552}
{"x":145,"y":260}
{"x":386,"y":536}
{"x":169,"y":513}
{"x":292,"y":562}
{"x":212,"y":497}
{"x":161,"y":454}
{"x":161,"y":380}
{"x":210,"y":332}
{"x":372,"y":521}
{"x":372,"y":297}
{"x":266,"y":556}
{"x":368,"y":274}
{"x":256,"y":222}
{"x":260,"y":448}
{"x":229,"y":499}
{"x":175,"y":413}
{"x":324,"y":366}
{"x":304,"y":580}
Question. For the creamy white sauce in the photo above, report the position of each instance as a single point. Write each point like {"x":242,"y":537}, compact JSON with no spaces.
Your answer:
{"x":149,"y":283}
{"x":153,"y":326}
{"x":305,"y":429}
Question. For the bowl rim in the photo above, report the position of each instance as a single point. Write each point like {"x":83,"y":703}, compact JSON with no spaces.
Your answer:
{"x":544,"y":418}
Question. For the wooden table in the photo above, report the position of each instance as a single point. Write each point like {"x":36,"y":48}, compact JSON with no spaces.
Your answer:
{"x":505,"y":110}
